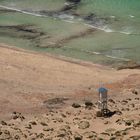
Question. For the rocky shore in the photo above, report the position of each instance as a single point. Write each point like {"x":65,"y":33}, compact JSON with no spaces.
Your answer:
{"x":36,"y":105}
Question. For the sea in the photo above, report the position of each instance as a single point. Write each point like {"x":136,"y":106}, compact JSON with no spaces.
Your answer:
{"x":116,"y":40}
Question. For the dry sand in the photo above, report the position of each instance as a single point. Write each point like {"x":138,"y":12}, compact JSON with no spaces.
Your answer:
{"x":37,"y":92}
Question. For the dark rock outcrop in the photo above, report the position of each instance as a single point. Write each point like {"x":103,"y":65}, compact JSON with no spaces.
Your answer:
{"x":74,"y":1}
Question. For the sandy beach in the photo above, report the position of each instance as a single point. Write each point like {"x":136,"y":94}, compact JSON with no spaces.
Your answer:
{"x":37,"y":93}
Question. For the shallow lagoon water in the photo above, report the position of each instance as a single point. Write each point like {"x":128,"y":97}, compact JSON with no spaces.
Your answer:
{"x":111,"y":44}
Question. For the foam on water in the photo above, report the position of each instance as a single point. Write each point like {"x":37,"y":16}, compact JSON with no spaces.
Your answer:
{"x":124,"y":59}
{"x":21,"y":11}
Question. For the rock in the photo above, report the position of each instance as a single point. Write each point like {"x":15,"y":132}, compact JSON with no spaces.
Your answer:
{"x":67,"y":7}
{"x":3,"y":123}
{"x":61,"y":133}
{"x":112,"y":138}
{"x":74,"y":1}
{"x":124,"y":102}
{"x":43,"y":124}
{"x":78,"y":137}
{"x":17,"y":115}
{"x":110,"y":130}
{"x":106,"y":122}
{"x":111,"y":101}
{"x":105,"y":134}
{"x":17,"y":137}
{"x":63,"y":115}
{"x":87,"y":117}
{"x":66,"y":127}
{"x":90,"y":16}
{"x":76,"y":105}
{"x":128,"y":122}
{"x":118,"y":133}
{"x":118,"y":112}
{"x":136,"y":124}
{"x":99,"y":114}
{"x":7,"y":132}
{"x":88,"y":104}
{"x":28,"y":126}
{"x":99,"y":138}
{"x":134,"y":92}
{"x":60,"y":120}
{"x":41,"y":135}
{"x":48,"y":129}
{"x":0,"y":132}
{"x":83,"y":125}
{"x":33,"y":123}
{"x":120,"y":121}
{"x":91,"y":134}
{"x":121,"y":133}
{"x":132,"y":105}
{"x":55,"y":102}
{"x":135,"y":137}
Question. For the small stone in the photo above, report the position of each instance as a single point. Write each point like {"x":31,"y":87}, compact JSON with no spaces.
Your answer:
{"x":33,"y":123}
{"x":105,"y":134}
{"x":48,"y":129}
{"x":0,"y":133}
{"x":17,"y":137}
{"x":6,"y":132}
{"x":43,"y":124}
{"x":15,"y":117}
{"x":135,"y":92}
{"x":60,"y":120}
{"x":63,"y":115}
{"x":99,"y":114}
{"x":136,"y":124}
{"x":67,"y":127}
{"x":76,"y":105}
{"x":88,"y":104}
{"x":91,"y":134}
{"x":135,"y":137}
{"x":111,"y":101}
{"x":124,"y":102}
{"x":41,"y":135}
{"x":118,"y":112}
{"x":117,"y":133}
{"x":128,"y":122}
{"x":28,"y":126}
{"x":3,"y":123}
{"x":106,"y":122}
{"x":112,"y":138}
{"x":83,"y":125}
{"x":61,"y":133}
{"x":110,"y":130}
{"x":78,"y":137}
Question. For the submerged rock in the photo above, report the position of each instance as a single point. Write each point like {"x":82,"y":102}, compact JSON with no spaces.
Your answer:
{"x":74,"y":1}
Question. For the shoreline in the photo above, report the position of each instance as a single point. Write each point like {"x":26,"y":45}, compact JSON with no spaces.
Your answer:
{"x":45,"y":95}
{"x":40,"y":40}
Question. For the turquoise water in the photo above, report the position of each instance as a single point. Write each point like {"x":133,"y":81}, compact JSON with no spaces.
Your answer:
{"x":116,"y":41}
{"x":125,"y":12}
